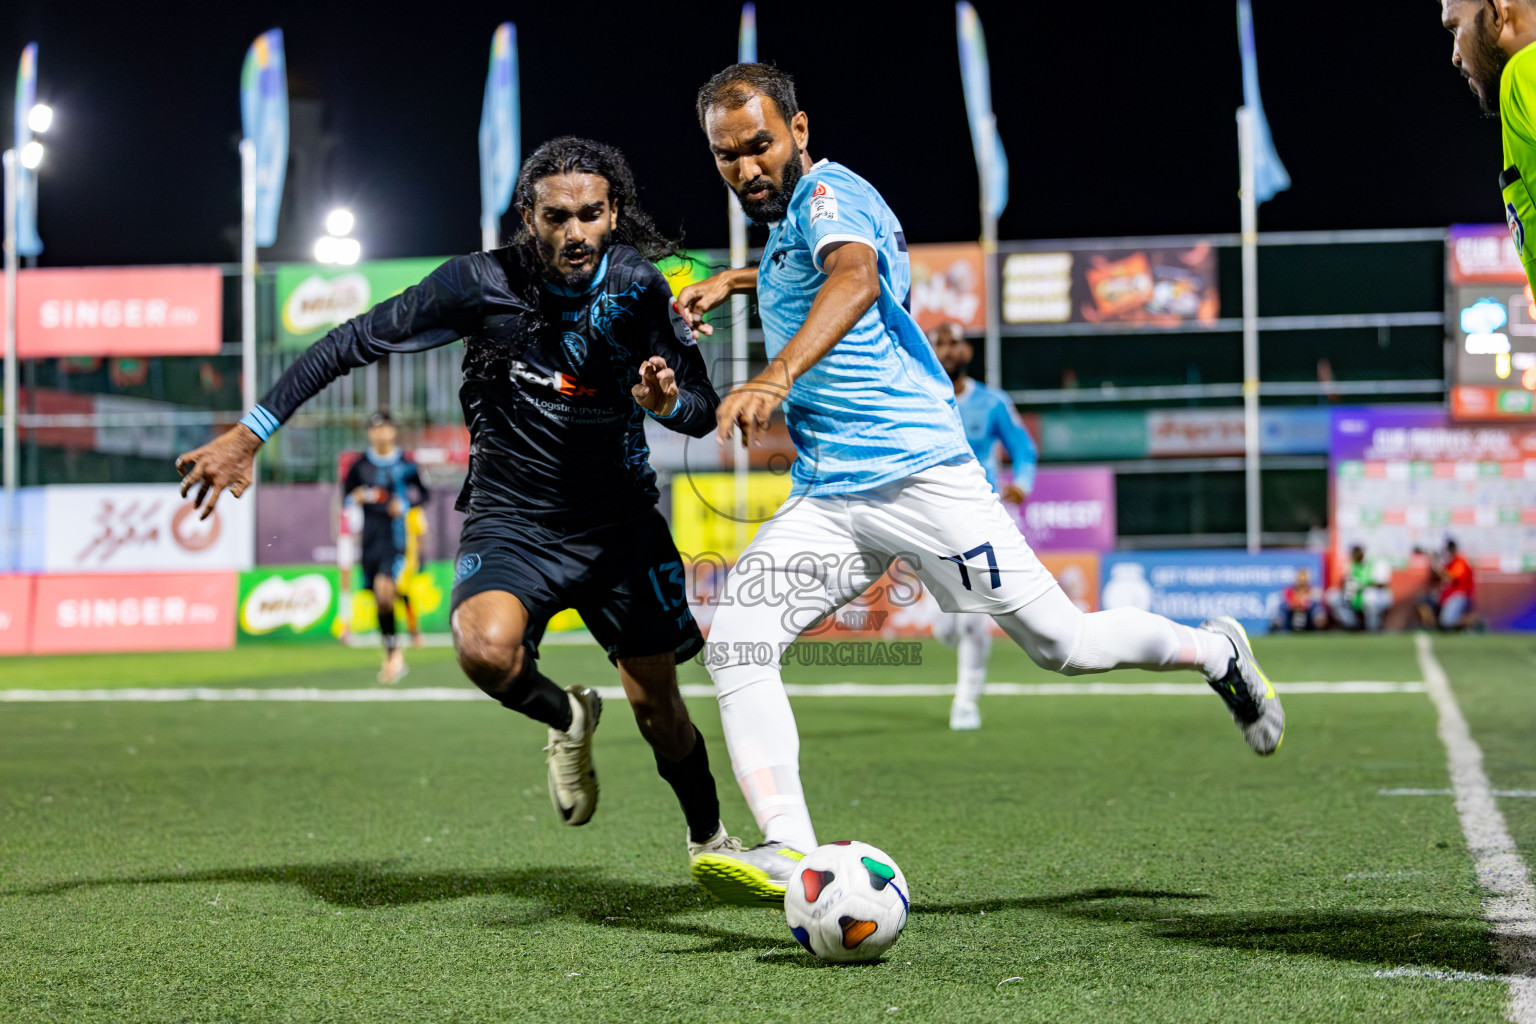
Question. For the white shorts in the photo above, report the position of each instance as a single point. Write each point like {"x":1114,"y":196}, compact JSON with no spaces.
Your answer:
{"x":946,"y":524}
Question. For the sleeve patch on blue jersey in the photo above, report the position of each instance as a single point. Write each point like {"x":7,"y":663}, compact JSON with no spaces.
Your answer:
{"x":823,"y":203}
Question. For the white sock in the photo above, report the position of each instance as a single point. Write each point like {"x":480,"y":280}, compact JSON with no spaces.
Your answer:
{"x":1059,"y":636}
{"x":760,"y":733}
{"x":974,"y":647}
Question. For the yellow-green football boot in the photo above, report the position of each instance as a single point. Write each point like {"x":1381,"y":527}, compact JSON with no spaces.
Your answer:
{"x":1248,"y":693}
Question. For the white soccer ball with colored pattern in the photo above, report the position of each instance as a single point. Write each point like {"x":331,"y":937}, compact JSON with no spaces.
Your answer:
{"x":847,"y":902}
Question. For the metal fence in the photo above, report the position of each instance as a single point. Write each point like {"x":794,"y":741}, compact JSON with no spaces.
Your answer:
{"x":1369,"y":304}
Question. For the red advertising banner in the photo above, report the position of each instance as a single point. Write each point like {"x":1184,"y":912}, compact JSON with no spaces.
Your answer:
{"x":948,"y":283}
{"x":119,"y":311}
{"x":15,"y":614}
{"x":148,"y":612}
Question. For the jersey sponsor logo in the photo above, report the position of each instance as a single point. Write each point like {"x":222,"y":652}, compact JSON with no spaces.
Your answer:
{"x":465,"y":567}
{"x":574,"y":388}
{"x":575,"y":348}
{"x":1516,"y":227}
{"x":823,"y":203}
{"x":561,"y":382}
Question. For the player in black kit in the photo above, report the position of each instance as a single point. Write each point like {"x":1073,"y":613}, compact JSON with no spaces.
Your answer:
{"x":386,"y":486}
{"x":571,"y":341}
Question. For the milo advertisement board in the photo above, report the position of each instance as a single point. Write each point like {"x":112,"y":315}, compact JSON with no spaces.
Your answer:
{"x":313,"y":299}
{"x":297,"y":603}
{"x":287,"y":603}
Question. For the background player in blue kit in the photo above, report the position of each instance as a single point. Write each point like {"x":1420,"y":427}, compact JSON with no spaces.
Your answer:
{"x":386,"y":486}
{"x":884,"y":471}
{"x":989,"y":418}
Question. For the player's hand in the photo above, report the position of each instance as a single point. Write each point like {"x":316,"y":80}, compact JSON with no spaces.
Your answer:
{"x":697,"y":299}
{"x":396,"y":508}
{"x":657,"y":390}
{"x":226,"y":462}
{"x":1015,"y":495}
{"x":748,"y":409}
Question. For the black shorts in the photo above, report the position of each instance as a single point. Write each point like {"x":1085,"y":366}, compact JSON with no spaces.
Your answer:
{"x":381,"y":558}
{"x":624,"y":577}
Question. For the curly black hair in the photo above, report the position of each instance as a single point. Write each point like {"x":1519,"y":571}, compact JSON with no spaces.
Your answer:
{"x":571,"y":155}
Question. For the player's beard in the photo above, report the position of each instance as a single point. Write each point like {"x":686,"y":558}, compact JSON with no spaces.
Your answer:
{"x":574,"y":280}
{"x":1486,"y":68}
{"x":771,"y":208}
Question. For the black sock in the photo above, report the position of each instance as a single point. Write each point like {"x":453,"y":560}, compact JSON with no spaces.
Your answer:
{"x":532,"y":694}
{"x":695,"y":788}
{"x":387,"y":625}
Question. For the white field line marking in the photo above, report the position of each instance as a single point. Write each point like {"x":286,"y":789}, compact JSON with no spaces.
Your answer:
{"x":1510,"y":901}
{"x":463,"y":693}
{"x":1419,"y":972}
{"x":1518,"y":794}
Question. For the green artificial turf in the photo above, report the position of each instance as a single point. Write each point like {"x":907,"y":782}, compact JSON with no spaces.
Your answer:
{"x":1078,"y":859}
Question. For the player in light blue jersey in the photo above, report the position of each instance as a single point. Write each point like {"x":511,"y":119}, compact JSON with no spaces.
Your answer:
{"x":883,"y":471}
{"x":990,"y":421}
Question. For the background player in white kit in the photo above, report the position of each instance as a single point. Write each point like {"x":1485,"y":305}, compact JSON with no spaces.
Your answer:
{"x":989,"y":419}
{"x":884,"y":470}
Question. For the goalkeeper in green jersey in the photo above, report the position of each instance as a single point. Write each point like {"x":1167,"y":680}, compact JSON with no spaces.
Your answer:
{"x":1493,"y":51}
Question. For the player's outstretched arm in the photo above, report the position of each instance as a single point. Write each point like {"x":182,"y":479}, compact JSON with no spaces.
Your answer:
{"x":440,"y":310}
{"x":673,"y":384}
{"x":697,"y":299}
{"x":851,"y":287}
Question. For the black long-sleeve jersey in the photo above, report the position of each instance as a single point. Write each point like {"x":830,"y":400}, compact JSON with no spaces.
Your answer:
{"x":374,"y":482}
{"x":554,"y":431}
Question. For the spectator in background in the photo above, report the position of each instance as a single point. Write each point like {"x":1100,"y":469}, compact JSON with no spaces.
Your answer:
{"x":1363,"y":595}
{"x":1301,"y":605}
{"x":990,"y":420}
{"x":1452,"y":605}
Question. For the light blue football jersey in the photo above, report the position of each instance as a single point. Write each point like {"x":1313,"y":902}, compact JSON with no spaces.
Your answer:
{"x":878,"y":407}
{"x":989,"y":417}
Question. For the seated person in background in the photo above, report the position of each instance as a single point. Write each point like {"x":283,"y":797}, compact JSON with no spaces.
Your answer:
{"x":1301,"y":606}
{"x":1453,"y":604}
{"x":1363,"y":595}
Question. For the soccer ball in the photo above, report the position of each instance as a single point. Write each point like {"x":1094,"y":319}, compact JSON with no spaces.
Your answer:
{"x":847,"y":902}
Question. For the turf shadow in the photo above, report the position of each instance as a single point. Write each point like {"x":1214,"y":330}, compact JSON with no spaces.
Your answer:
{"x":1388,"y":938}
{"x":583,"y":893}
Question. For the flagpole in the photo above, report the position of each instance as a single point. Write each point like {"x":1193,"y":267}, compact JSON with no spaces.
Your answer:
{"x":993,"y":346}
{"x":11,"y":179}
{"x":746,"y":53}
{"x":1250,"y":240}
{"x":248,"y":276}
{"x":738,"y":221}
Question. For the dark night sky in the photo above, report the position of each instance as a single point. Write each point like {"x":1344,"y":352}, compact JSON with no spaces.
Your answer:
{"x":1118,"y":117}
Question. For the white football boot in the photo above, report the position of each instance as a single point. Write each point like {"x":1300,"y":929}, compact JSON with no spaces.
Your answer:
{"x":1247,"y":691}
{"x":964,"y":716}
{"x":572,"y":779}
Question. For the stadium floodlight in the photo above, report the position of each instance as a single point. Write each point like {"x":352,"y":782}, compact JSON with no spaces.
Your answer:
{"x":330,"y":249}
{"x":340,"y":221}
{"x":32,"y":155}
{"x":39,"y":118}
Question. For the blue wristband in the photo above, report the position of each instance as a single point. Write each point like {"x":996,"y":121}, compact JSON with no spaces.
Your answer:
{"x":260,"y":422}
